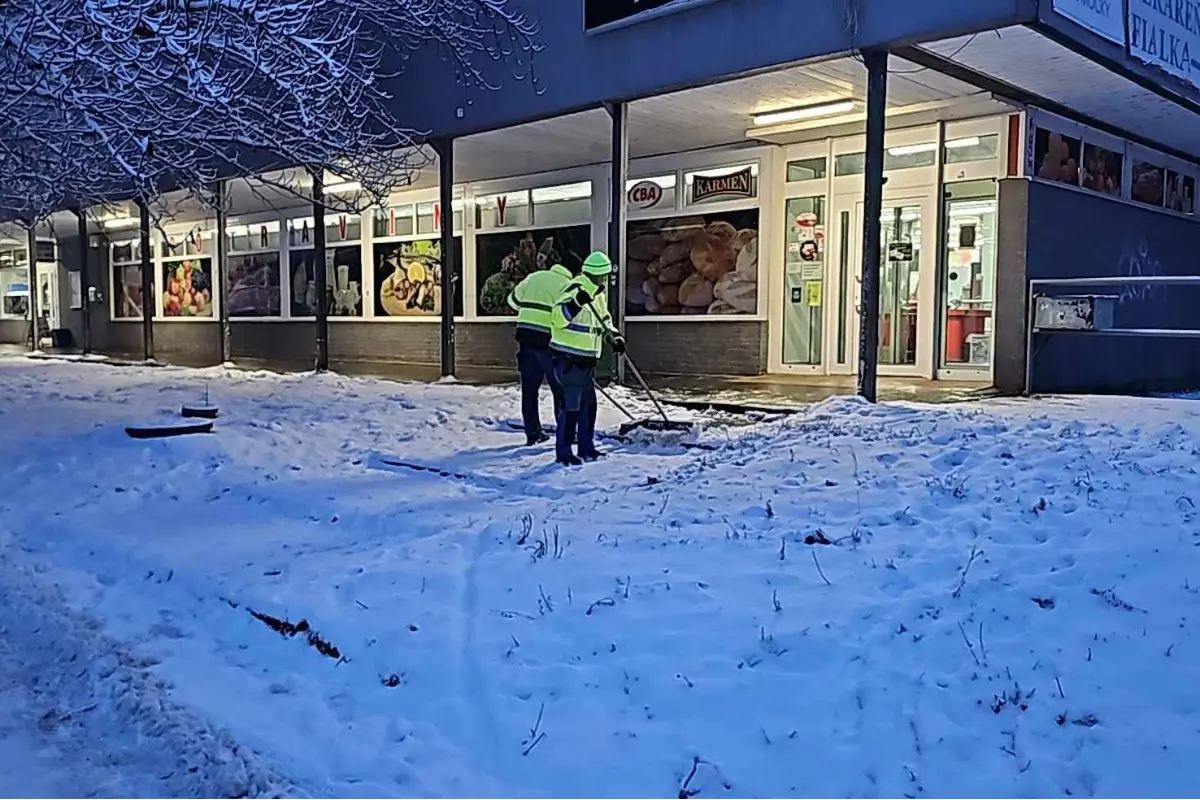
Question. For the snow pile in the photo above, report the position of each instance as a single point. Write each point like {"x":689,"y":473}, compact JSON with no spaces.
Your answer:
{"x":857,"y":600}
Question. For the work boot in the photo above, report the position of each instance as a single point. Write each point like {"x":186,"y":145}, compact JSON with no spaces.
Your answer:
{"x":568,"y":460}
{"x":591,"y":455}
{"x":536,"y":438}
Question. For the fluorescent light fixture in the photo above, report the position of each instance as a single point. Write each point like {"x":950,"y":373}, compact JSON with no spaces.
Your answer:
{"x":343,"y":188}
{"x":116,"y":223}
{"x":929,"y":147}
{"x":804,"y":112}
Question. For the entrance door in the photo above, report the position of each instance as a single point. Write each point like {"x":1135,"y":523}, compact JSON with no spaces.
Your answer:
{"x":968,"y":280}
{"x":48,"y":305}
{"x":907,"y":261}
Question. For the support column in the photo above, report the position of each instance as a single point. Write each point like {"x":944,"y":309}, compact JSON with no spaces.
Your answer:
{"x":34,"y":288}
{"x":148,"y":299}
{"x":445,"y":152}
{"x":319,"y":270}
{"x":220,"y":265}
{"x":868,"y":340}
{"x":85,"y":283}
{"x":617,"y":216}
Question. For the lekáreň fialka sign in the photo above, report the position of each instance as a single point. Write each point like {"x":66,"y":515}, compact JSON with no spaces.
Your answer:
{"x":1166,"y":34}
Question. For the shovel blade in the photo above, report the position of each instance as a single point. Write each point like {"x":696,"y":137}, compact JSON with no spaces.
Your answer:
{"x":654,"y":425}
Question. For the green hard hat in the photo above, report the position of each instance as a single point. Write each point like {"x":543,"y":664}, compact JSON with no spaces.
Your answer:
{"x":597,"y":264}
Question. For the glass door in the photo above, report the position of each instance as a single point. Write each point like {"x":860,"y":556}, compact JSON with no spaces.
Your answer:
{"x":903,"y":328}
{"x":968,"y":276}
{"x":48,"y":308}
{"x":804,"y":282}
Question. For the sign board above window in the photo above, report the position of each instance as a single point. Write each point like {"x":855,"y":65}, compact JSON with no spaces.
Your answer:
{"x":724,"y":184}
{"x":604,"y":14}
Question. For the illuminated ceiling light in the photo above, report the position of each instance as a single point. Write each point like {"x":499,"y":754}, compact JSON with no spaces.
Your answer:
{"x":115,"y":223}
{"x":343,"y":188}
{"x":912,"y":149}
{"x":804,"y":112}
{"x":970,"y":141}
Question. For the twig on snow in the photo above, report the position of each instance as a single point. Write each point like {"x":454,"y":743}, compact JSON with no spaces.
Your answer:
{"x":1060,"y":689}
{"x":982,"y":646}
{"x":535,"y":733}
{"x":820,"y":571}
{"x":603,"y":601}
{"x":783,"y":548}
{"x":775,"y":601}
{"x":360,"y":604}
{"x":962,"y":581}
{"x":970,"y":646}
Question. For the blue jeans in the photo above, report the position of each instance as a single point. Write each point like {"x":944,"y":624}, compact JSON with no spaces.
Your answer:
{"x":535,"y":366}
{"x":579,"y":408}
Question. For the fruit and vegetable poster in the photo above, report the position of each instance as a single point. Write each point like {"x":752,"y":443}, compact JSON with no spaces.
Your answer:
{"x":408,"y":278}
{"x":695,"y":264}
{"x":254,"y":286}
{"x":187,"y":288}
{"x":504,"y":259}
{"x":343,"y":282}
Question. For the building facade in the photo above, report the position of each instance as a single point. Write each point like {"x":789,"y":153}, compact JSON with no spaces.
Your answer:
{"x":740,"y":220}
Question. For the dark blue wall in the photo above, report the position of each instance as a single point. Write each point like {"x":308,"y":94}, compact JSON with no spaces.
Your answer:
{"x":696,"y":46}
{"x":1076,"y":234}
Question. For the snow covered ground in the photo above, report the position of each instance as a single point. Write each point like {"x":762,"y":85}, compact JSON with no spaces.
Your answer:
{"x":984,"y":600}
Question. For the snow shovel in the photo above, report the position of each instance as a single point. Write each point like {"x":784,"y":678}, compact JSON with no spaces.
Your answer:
{"x":664,"y":424}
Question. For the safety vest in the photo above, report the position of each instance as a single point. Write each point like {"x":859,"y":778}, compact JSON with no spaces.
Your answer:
{"x":533,"y":298}
{"x":581,"y":335}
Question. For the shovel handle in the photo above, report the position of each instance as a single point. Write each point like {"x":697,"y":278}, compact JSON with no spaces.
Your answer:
{"x":632,"y":368}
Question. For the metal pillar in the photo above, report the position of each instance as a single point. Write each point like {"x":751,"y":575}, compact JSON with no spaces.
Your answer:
{"x":319,"y":271}
{"x":148,"y":299}
{"x":34,"y":288}
{"x":220,"y":264}
{"x":85,"y":283}
{"x":868,"y":340}
{"x":445,"y":151}
{"x":618,"y":176}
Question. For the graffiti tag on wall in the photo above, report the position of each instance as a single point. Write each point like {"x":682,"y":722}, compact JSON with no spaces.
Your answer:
{"x":1137,"y":261}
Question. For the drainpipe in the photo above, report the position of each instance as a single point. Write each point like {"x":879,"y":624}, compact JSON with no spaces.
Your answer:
{"x":616,"y":221}
{"x":220,"y":263}
{"x":868,"y":340}
{"x":148,"y":299}
{"x":34,"y":288}
{"x":85,"y":282}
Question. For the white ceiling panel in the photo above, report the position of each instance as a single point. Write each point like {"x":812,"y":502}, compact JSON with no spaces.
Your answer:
{"x":1026,"y":59}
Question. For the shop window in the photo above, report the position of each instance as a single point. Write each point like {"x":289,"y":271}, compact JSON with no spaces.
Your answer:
{"x":721,"y":185}
{"x":254,"y":285}
{"x":14,"y":283}
{"x":804,"y":280}
{"x":569,"y":204}
{"x":343,"y":282}
{"x":1101,"y":169}
{"x":187,"y":288}
{"x":648,"y":194}
{"x":126,"y":267}
{"x":254,"y":237}
{"x":806,"y":169}
{"x":429,"y":218}
{"x":1180,"y":192}
{"x":1149,"y":183}
{"x":698,"y":264}
{"x":502,"y":260}
{"x":339,"y":228}
{"x":196,"y":242}
{"x":395,"y":221}
{"x":1056,"y":156}
{"x":511,"y":210}
{"x":969,"y":149}
{"x":408,"y":278}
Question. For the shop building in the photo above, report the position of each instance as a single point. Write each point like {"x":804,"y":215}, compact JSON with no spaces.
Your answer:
{"x":1011,"y":128}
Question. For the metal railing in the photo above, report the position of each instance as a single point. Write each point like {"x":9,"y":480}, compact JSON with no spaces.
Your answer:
{"x":1146,"y":280}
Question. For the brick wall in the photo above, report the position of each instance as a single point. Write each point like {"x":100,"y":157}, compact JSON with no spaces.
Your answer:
{"x":698,"y":348}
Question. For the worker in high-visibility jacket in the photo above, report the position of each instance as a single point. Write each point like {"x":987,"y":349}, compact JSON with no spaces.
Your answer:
{"x":533,"y":299}
{"x":580,"y":322}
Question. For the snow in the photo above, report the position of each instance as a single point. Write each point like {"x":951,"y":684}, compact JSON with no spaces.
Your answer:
{"x":1006,"y":606}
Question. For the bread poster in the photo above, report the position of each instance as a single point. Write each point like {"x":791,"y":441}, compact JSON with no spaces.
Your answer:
{"x":694,"y":264}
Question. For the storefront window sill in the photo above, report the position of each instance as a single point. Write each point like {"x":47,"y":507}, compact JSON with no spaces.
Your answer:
{"x":511,"y":320}
{"x":1115,"y":198}
{"x":185,"y":319}
{"x":259,"y":319}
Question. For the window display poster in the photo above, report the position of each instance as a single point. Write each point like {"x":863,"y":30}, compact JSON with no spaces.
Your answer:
{"x":1056,"y":157}
{"x":343,"y":282}
{"x":1180,"y":192}
{"x":254,"y":285}
{"x":1101,"y":169}
{"x":75,"y":288}
{"x":1148,"y":183}
{"x":127,"y":291}
{"x":408,"y":278}
{"x":187,"y":288}
{"x":695,"y":264}
{"x":504,"y":259}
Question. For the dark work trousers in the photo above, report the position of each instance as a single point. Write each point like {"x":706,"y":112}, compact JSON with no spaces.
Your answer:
{"x":579,"y":409}
{"x":535,"y":366}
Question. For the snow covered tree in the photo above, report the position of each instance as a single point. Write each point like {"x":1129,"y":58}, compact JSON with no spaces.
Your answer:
{"x":113,"y":99}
